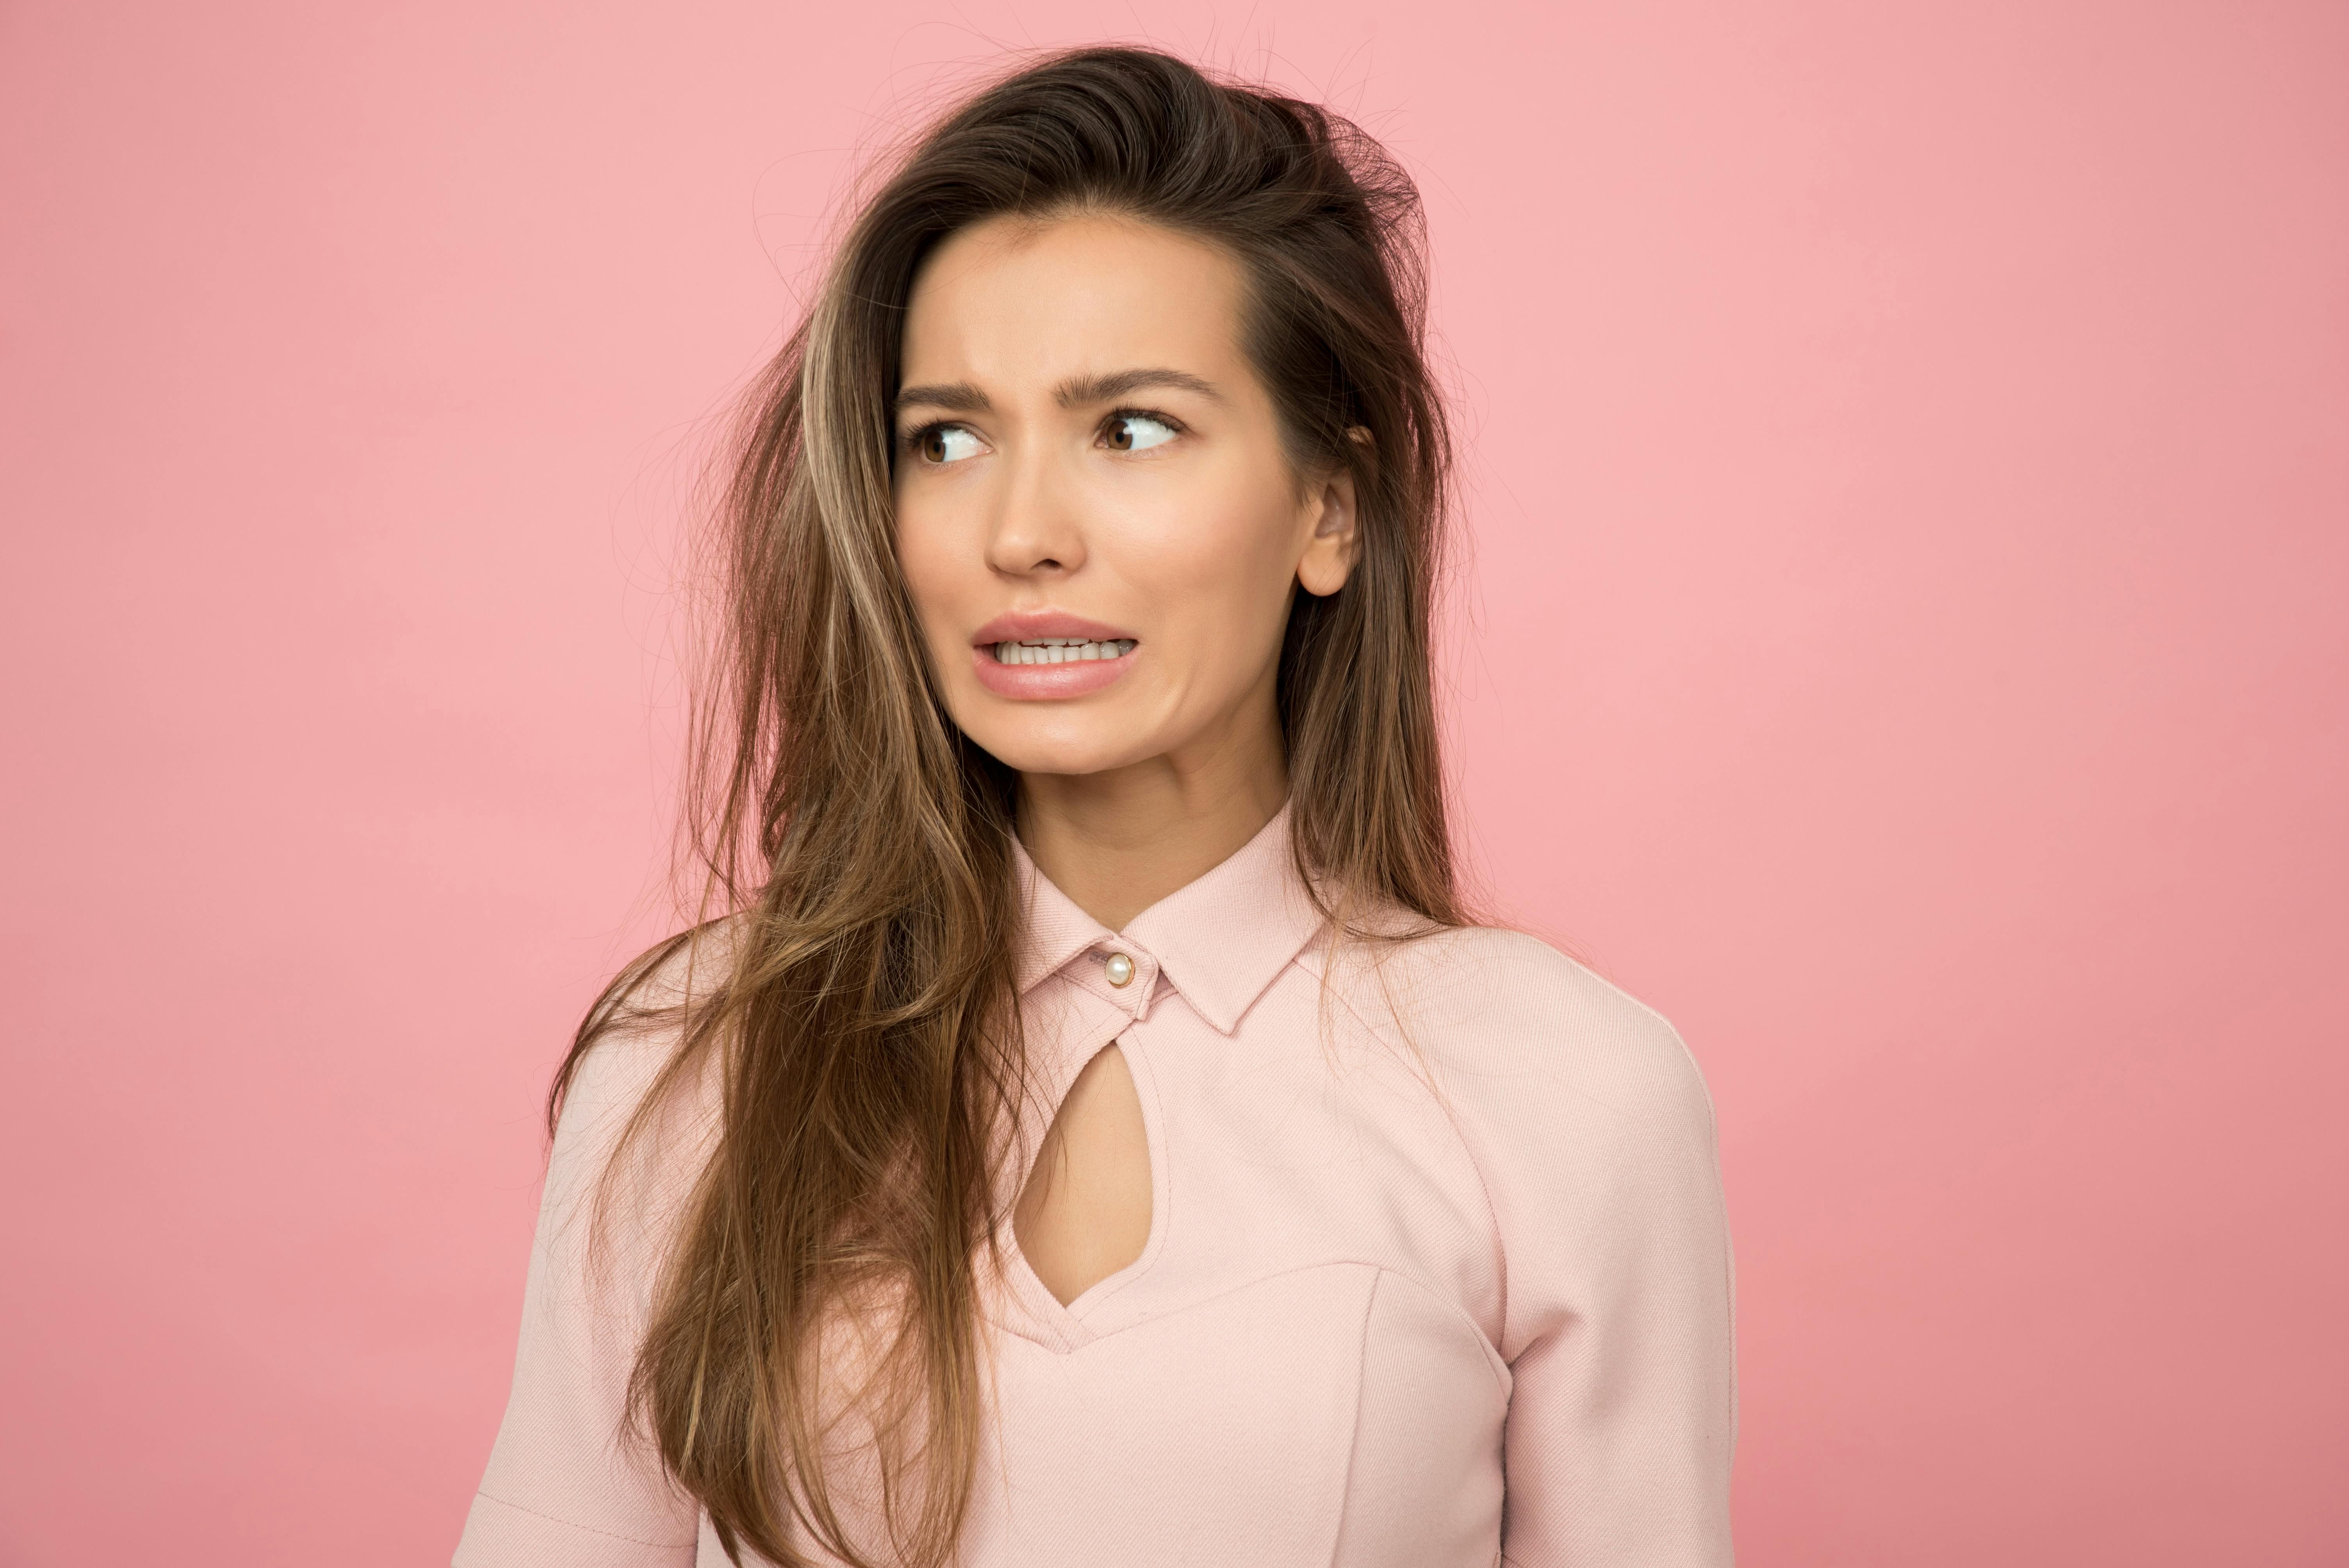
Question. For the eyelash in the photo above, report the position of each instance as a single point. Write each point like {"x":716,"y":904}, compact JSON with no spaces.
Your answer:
{"x":910,"y":443}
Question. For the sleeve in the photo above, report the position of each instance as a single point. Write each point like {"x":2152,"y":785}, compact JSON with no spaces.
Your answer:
{"x":1595,"y":1134}
{"x":567,"y":1482}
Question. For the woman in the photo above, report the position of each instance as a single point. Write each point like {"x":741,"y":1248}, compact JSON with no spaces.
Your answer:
{"x":1091,"y":1131}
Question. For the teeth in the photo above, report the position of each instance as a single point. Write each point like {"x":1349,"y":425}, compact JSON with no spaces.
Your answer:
{"x":1060,"y":651}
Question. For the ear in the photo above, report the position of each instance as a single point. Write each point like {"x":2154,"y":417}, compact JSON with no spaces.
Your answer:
{"x":1336,"y":544}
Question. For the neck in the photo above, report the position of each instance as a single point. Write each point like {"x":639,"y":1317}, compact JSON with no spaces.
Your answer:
{"x":1118,"y":841}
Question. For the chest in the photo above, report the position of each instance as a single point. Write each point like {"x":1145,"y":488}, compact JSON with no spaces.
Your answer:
{"x":1295,"y":1367}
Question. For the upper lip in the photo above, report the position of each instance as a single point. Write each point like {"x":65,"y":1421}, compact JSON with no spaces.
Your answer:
{"x":1033,"y":625}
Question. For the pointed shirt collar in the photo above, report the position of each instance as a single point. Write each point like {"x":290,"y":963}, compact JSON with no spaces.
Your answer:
{"x":1220,"y":941}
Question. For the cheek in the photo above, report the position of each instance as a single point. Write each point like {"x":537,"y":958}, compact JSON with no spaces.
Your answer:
{"x":1221,"y":562}
{"x":927,"y":561}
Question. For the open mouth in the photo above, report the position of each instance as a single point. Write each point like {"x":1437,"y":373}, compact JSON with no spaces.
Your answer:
{"x":1051,"y":655}
{"x":1060,"y":650}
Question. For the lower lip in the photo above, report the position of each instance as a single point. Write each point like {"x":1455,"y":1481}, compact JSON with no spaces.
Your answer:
{"x":1046,"y":683}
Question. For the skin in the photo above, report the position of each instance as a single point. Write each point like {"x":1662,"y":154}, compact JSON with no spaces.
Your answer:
{"x":1035,"y":475}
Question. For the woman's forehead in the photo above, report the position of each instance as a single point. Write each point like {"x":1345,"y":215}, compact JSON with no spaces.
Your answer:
{"x":1019,"y":299}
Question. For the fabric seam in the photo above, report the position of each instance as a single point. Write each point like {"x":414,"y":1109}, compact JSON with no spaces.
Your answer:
{"x":1354,"y":1443}
{"x":583,"y":1529}
{"x":1468,"y":1153}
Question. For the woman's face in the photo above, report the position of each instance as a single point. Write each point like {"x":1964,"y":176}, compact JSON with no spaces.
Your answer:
{"x":1096,"y":519}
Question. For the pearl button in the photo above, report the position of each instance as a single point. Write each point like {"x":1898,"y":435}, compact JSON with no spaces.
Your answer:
{"x":1119,"y":967}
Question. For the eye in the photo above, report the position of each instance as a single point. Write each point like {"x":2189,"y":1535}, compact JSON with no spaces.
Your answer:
{"x":1136,"y":432}
{"x":944,"y":444}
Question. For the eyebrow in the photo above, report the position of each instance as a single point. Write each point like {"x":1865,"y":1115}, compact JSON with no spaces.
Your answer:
{"x":962,"y":398}
{"x":955,"y":398}
{"x":1079,"y":390}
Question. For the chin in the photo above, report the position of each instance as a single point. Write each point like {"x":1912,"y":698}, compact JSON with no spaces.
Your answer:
{"x":1070,"y":748}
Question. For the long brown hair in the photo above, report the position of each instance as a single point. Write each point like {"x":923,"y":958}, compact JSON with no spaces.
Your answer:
{"x":864,"y":1027}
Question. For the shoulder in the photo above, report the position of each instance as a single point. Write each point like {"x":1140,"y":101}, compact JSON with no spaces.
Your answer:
{"x":1503,"y":1020}
{"x":642,"y":1017}
{"x":1578,"y":1105}
{"x":630,"y":1073}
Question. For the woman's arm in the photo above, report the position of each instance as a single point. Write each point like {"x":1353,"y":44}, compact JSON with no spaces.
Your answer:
{"x":567,"y":1482}
{"x":1595,"y":1134}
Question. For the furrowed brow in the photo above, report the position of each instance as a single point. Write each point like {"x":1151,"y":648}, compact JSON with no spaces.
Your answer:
{"x":953,"y":397}
{"x":1080,"y":390}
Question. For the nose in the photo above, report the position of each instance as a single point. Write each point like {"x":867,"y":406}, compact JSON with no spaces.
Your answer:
{"x":1037,"y":529}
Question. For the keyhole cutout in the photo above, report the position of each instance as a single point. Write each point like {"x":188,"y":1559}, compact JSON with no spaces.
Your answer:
{"x":1085,"y":1212}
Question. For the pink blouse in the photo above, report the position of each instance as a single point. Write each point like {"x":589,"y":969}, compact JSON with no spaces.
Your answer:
{"x":1437,"y":1274}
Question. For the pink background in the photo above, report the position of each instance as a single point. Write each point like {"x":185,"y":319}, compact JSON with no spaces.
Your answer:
{"x":1904,"y":640}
